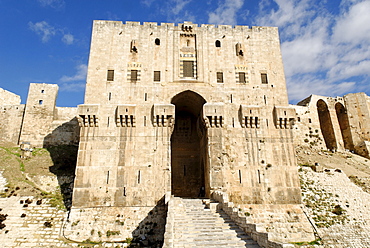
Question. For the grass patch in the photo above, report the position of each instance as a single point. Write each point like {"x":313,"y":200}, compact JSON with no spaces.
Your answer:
{"x":88,"y":241}
{"x":314,"y":242}
{"x":110,"y":233}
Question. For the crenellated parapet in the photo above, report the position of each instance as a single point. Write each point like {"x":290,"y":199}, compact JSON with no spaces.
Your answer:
{"x":185,"y":26}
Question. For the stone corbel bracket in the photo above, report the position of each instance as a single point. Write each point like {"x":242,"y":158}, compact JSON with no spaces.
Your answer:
{"x":88,"y":115}
{"x":163,"y":115}
{"x":126,"y":115}
{"x":213,"y":115}
{"x":250,"y":116}
{"x":284,"y":117}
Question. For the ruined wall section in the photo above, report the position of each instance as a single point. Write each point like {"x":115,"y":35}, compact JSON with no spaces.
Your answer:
{"x":358,"y":107}
{"x":359,"y":113}
{"x":39,"y":113}
{"x":11,"y":117}
{"x":64,"y":128}
{"x":345,"y":126}
{"x":9,"y":98}
{"x":318,"y":125}
{"x":44,"y":124}
{"x":307,"y":131}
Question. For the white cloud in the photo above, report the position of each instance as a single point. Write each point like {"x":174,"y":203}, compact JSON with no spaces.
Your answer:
{"x":290,"y":14}
{"x":176,"y":11}
{"x":79,"y":76}
{"x":353,"y":26}
{"x":346,"y":70}
{"x":322,"y":51}
{"x":52,"y":3}
{"x":68,"y":39}
{"x":46,"y":31}
{"x":75,"y":83}
{"x":43,"y":29}
{"x":226,"y":12}
{"x":302,"y":87}
{"x":147,"y":3}
{"x":178,"y":5}
{"x":72,"y":87}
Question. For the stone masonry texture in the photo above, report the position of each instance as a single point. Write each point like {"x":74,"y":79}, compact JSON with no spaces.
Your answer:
{"x":184,"y":110}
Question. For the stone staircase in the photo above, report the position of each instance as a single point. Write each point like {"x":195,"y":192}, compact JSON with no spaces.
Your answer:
{"x":190,"y":224}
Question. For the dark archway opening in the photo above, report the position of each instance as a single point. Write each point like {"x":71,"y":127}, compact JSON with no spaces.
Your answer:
{"x":326,"y":125}
{"x":344,"y":126}
{"x":188,"y":146}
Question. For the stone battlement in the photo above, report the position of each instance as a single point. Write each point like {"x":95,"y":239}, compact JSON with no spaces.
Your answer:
{"x":182,"y":26}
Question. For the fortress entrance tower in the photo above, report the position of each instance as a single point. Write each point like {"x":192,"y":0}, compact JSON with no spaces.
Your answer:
{"x":183,"y":110}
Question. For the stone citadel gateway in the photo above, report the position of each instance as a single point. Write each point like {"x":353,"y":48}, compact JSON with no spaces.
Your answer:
{"x":186,"y":111}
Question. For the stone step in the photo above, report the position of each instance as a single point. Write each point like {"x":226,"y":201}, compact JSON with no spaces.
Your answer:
{"x":196,"y":226}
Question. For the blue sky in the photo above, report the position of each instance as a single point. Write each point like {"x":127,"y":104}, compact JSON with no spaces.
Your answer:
{"x":325,"y":44}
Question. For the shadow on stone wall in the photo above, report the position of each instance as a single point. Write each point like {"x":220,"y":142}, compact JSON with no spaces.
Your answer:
{"x":150,"y":231}
{"x":62,"y":145}
{"x":64,"y":165}
{"x":67,"y":133}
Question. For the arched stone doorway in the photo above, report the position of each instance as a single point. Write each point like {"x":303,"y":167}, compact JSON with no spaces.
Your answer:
{"x":188,"y":146}
{"x":344,"y":126}
{"x":326,"y":125}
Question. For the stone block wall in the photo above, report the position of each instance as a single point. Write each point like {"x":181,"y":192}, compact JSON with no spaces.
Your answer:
{"x":39,"y":113}
{"x":64,"y":129}
{"x":11,"y":117}
{"x":339,"y":123}
{"x":358,"y":107}
{"x":9,"y":98}
{"x":184,"y":110}
{"x":38,"y":121}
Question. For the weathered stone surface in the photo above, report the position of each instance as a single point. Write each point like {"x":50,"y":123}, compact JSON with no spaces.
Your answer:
{"x":38,"y":122}
{"x":336,"y":124}
{"x":186,"y":110}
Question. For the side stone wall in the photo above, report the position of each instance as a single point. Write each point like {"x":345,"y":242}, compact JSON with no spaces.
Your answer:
{"x":264,"y":236}
{"x":64,"y":129}
{"x":9,"y":98}
{"x":11,"y":117}
{"x":340,"y":123}
{"x":39,"y":121}
{"x":116,"y":224}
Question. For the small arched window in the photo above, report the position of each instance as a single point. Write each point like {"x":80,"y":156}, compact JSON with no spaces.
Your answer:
{"x":157,"y":42}
{"x":218,"y":43}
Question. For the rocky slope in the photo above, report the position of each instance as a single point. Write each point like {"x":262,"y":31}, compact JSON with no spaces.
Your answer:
{"x":336,"y":199}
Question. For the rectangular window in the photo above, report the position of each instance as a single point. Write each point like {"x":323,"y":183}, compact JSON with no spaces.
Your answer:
{"x":133,"y":75}
{"x":220,"y":77}
{"x":157,"y":76}
{"x":242,"y":77}
{"x":110,"y":75}
{"x":264,"y":78}
{"x":188,"y":68}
